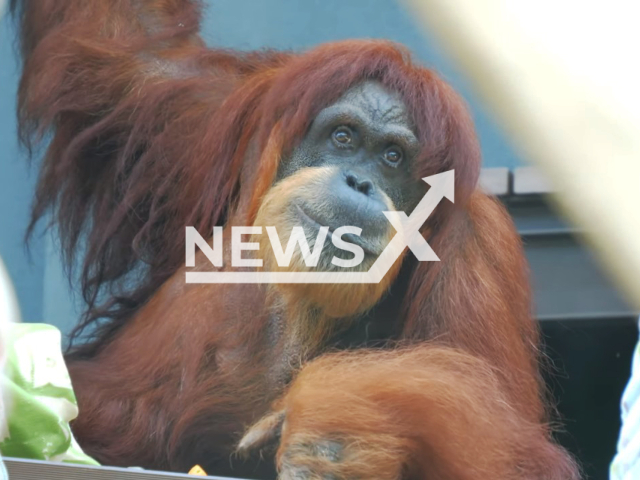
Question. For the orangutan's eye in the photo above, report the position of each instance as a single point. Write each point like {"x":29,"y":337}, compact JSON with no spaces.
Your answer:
{"x":393,"y":155}
{"x":342,"y":135}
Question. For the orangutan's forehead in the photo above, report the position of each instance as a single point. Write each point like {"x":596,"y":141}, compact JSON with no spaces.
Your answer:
{"x":377,"y":102}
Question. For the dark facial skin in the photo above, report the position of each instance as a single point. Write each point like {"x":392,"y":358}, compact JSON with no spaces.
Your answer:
{"x":368,"y":135}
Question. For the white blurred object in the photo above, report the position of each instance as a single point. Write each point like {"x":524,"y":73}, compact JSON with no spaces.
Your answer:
{"x":9,"y":308}
{"x":626,"y":464}
{"x":9,"y":312}
{"x":562,"y":77}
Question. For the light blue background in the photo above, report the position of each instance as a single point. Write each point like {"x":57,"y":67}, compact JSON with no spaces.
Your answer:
{"x":246,"y":24}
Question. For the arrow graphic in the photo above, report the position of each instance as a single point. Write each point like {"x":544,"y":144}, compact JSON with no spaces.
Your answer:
{"x":407,"y":235}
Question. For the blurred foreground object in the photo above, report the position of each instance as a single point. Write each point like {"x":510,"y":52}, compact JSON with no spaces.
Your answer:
{"x":561,"y":79}
{"x":9,"y":309}
{"x":626,"y":464}
{"x":9,"y":312}
{"x":42,"y":399}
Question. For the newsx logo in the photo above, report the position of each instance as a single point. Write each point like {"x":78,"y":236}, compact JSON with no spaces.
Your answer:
{"x":407,"y":235}
{"x":283,"y":256}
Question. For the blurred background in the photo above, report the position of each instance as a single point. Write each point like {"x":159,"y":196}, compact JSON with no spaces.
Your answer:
{"x":590,"y":330}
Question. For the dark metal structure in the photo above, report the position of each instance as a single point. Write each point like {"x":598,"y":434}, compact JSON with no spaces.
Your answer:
{"x":589,"y":330}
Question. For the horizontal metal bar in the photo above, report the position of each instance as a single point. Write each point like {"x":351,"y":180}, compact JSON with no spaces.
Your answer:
{"x":549,"y":232}
{"x":25,"y":469}
{"x":620,"y":316}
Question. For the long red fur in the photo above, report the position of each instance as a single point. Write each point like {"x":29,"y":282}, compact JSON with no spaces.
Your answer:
{"x":149,"y":131}
{"x":422,"y":413}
